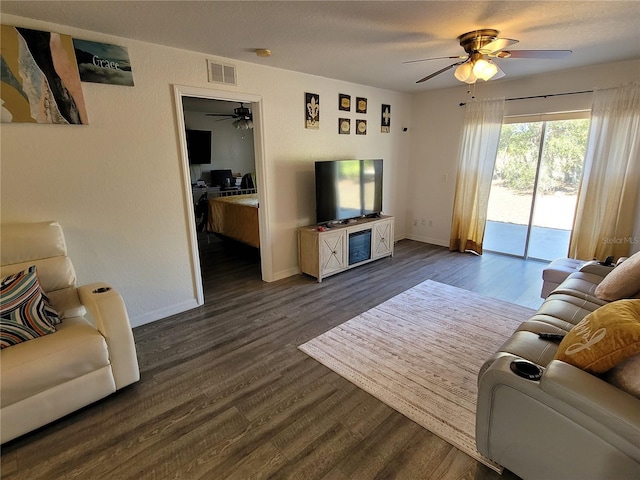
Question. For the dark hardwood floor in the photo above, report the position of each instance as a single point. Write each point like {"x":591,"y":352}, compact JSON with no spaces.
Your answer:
{"x":226,"y":394}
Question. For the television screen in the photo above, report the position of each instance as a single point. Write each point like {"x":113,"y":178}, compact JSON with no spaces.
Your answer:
{"x":348,"y":189}
{"x":199,"y":146}
{"x":222,"y":178}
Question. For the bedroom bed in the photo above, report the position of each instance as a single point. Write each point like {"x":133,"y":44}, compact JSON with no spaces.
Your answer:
{"x":235,"y":217}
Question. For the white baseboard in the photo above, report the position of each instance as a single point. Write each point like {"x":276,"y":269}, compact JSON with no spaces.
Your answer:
{"x":431,"y":240}
{"x":150,"y":317}
{"x":285,"y":273}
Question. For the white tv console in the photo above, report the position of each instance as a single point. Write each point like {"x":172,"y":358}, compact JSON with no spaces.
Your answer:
{"x":344,"y":246}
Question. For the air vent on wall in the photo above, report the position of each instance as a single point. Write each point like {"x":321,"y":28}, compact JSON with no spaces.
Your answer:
{"x":219,"y":73}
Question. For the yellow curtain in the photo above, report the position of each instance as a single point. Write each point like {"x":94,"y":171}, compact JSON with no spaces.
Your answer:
{"x":482,"y":124}
{"x":606,"y":209}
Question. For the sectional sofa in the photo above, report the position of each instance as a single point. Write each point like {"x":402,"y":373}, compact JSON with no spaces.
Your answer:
{"x":568,"y":406}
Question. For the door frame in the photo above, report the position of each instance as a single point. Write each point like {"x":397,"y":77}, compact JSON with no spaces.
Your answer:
{"x":266,"y":262}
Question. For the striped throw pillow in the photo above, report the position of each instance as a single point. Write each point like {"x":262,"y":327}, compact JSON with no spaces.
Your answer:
{"x":25,"y":311}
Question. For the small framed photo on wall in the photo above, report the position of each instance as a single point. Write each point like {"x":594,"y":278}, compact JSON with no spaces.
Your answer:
{"x":361,"y":127}
{"x":344,"y":126}
{"x":344,"y":102}
{"x":385,"y":119}
{"x":312,"y":111}
{"x":361,"y":105}
{"x":103,"y":63}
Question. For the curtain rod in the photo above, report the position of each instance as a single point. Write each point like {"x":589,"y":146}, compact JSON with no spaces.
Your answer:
{"x":540,"y":96}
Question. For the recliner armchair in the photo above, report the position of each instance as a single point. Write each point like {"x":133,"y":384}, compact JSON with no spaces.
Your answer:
{"x":92,"y":353}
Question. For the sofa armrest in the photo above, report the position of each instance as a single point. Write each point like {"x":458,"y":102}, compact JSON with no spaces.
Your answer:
{"x":596,"y":268}
{"x":567,"y":393}
{"x":618,"y":411}
{"x":109,"y":314}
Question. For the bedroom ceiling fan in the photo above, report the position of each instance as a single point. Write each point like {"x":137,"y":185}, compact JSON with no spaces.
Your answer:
{"x":243,"y":117}
{"x":481,"y":46}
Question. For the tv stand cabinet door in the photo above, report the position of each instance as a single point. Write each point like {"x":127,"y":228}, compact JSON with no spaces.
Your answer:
{"x":382,"y":238}
{"x":333,"y":253}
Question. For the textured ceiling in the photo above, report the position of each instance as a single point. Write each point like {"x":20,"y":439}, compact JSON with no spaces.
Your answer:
{"x":360,"y":41}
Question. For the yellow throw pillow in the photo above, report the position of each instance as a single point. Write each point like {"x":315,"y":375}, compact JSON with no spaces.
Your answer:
{"x":622,"y":282}
{"x":604,"y":338}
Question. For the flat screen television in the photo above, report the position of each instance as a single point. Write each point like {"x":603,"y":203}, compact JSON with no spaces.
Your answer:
{"x":199,"y":146}
{"x":222,"y":178}
{"x":347,"y":189}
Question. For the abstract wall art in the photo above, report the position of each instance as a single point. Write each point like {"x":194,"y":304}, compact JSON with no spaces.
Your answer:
{"x":40,"y":80}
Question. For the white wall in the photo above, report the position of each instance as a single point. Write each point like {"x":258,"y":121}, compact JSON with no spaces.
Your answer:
{"x":116,"y":184}
{"x":436,"y":130}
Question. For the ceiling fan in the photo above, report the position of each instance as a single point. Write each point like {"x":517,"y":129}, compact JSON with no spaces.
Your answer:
{"x":242,"y":114}
{"x":480,"y":47}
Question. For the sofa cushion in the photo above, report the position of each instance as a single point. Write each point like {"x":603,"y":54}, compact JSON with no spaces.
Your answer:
{"x":527,"y":345}
{"x":41,"y":244}
{"x":604,"y":338}
{"x":564,"y":307}
{"x":23,"y":242}
{"x":582,"y":285}
{"x":25,"y":311}
{"x":30,"y":368}
{"x":67,"y":303}
{"x":560,"y":268}
{"x":54,"y":273}
{"x":626,"y":376}
{"x":543,"y":324}
{"x":622,"y":282}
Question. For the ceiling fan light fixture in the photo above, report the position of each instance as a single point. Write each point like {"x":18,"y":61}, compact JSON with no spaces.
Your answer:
{"x":464,"y":73}
{"x":243,"y":124}
{"x":484,"y":69}
{"x":481,"y":46}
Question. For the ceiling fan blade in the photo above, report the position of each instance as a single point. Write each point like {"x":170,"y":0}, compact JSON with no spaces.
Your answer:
{"x":497,"y":44}
{"x":219,"y":114}
{"x":449,"y":67}
{"x":435,"y":58}
{"x":499,"y":73}
{"x":552,"y":54}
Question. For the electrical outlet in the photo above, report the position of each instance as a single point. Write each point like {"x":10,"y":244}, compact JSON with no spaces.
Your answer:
{"x":415,"y":222}
{"x":423,"y":222}
{"x":431,"y":223}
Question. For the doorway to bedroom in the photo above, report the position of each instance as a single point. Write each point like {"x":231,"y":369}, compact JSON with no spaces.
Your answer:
{"x":222,"y":168}
{"x":221,"y":145}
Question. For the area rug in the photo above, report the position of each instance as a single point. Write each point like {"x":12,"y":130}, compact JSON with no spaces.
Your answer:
{"x":420,"y":353}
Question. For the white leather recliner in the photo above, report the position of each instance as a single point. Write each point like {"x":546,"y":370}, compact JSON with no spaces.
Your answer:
{"x":91,"y":355}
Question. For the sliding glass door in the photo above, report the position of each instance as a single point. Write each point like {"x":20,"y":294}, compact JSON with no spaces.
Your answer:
{"x":535,"y":185}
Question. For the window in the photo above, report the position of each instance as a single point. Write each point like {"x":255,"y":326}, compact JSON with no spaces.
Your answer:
{"x":535,"y":185}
